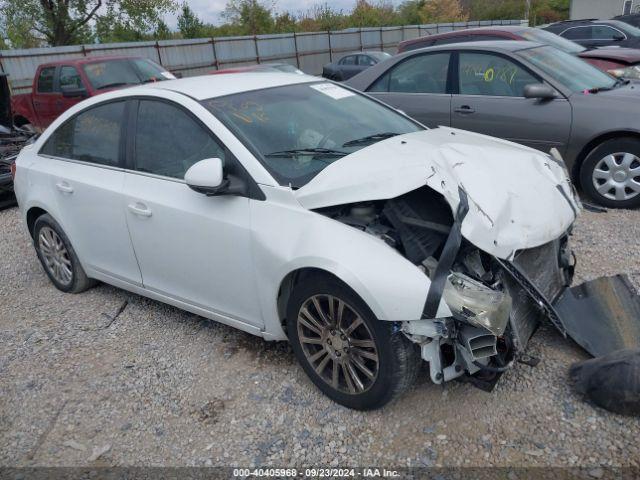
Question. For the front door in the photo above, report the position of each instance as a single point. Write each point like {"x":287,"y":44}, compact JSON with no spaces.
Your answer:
{"x":491,"y":101}
{"x":418,"y":87}
{"x":84,"y":171}
{"x":190,"y":247}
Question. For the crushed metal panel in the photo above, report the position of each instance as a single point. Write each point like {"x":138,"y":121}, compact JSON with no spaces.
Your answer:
{"x":602,"y":315}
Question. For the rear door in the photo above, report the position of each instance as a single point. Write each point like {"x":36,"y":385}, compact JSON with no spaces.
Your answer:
{"x":348,"y":67}
{"x":83,"y":168}
{"x":489,"y":99}
{"x":418,"y":85}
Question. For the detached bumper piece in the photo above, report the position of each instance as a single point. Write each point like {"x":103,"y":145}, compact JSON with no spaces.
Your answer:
{"x":602,"y":315}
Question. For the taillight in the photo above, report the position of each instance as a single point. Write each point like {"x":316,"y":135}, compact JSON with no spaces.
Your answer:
{"x":13,"y":170}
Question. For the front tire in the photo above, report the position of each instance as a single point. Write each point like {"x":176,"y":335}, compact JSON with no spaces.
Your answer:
{"x":57,"y":256}
{"x":351,"y":356}
{"x":610,"y":174}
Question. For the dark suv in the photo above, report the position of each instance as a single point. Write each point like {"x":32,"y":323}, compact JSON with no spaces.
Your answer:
{"x":597,"y":33}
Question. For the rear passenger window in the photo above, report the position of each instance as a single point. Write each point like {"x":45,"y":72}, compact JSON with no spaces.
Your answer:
{"x":418,"y":74}
{"x":91,"y":136}
{"x":350,"y":60}
{"x":45,"y":80}
{"x":578,"y":33}
{"x":168,"y":141}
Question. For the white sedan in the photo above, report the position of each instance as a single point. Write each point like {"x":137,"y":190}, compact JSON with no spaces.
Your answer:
{"x":294,"y":208}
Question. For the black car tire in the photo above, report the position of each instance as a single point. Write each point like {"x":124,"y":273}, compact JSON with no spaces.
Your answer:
{"x":79,"y":281}
{"x":613,"y":146}
{"x":398,"y":358}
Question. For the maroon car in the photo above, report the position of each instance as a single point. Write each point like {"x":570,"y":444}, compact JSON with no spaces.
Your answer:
{"x":59,"y":85}
{"x":621,"y":62}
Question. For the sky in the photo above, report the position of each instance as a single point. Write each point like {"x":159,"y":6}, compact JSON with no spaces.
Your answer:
{"x":209,"y":10}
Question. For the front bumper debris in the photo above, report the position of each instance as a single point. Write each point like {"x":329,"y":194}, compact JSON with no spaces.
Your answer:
{"x":602,"y":315}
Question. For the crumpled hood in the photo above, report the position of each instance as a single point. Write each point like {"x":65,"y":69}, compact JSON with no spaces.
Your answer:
{"x":518,"y":197}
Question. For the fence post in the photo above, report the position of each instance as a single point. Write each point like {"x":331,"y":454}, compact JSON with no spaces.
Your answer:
{"x":295,"y":46}
{"x":255,"y":43}
{"x":215,"y":53}
{"x":330,"y":49}
{"x":158,"y":52}
{"x":361,"y":42}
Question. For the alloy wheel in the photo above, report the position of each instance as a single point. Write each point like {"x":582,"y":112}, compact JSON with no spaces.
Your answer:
{"x":338,"y":344}
{"x":55,"y":255}
{"x":617,"y":176}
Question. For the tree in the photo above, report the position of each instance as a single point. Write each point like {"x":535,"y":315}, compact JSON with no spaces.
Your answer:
{"x":409,"y":12}
{"x":162,"y":31}
{"x":285,"y":23}
{"x":322,"y":17}
{"x":442,"y":11}
{"x":67,"y":22}
{"x":251,"y":16}
{"x":189,"y":24}
{"x":365,"y":14}
{"x":496,"y":9}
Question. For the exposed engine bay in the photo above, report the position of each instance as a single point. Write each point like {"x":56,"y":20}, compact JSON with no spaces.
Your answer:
{"x":493,"y":315}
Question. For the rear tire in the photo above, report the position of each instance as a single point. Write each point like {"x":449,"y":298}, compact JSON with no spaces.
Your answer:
{"x":397,"y":360}
{"x":58,"y":258}
{"x":610,"y":175}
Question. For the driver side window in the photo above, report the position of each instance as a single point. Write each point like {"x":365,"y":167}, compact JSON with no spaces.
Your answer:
{"x":168,"y":141}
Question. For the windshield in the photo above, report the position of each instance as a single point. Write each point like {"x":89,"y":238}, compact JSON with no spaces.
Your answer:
{"x":298,"y":130}
{"x":572,"y":72}
{"x":118,"y":73}
{"x":548,"y":38}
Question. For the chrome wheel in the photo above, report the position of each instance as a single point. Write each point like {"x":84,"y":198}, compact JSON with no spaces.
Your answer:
{"x":337,"y":344}
{"x":617,"y":176}
{"x":55,"y":255}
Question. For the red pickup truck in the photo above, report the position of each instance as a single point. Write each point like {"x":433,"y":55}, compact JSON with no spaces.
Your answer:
{"x":59,"y":85}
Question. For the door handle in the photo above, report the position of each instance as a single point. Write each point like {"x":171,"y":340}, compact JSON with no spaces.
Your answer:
{"x":64,"y":187}
{"x":465,"y":109}
{"x":139,"y":209}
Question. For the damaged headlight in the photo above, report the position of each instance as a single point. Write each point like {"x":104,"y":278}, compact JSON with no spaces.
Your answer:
{"x":475,"y":303}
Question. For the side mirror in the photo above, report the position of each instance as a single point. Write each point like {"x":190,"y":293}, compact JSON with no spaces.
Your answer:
{"x":69,"y":91}
{"x":207,"y":177}
{"x":618,"y":38}
{"x":540,"y":91}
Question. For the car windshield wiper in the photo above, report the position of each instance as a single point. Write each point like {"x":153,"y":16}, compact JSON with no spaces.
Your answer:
{"x":113,"y":85}
{"x":619,"y":83}
{"x":376,"y":137}
{"x":318,"y":151}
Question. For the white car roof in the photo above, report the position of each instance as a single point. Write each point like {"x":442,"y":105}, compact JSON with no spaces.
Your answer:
{"x":210,"y":86}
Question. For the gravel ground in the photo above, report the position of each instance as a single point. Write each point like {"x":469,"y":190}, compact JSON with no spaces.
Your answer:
{"x":159,"y":386}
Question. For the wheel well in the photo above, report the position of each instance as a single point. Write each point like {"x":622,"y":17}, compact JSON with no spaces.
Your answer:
{"x":19,"y":121}
{"x":288,"y":284}
{"x":32,"y":216}
{"x":586,"y":150}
